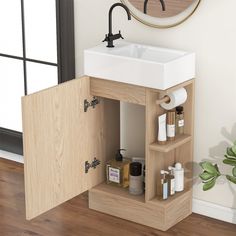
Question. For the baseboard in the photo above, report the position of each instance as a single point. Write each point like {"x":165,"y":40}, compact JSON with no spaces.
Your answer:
{"x":11,"y":156}
{"x":214,"y":211}
{"x":11,"y":141}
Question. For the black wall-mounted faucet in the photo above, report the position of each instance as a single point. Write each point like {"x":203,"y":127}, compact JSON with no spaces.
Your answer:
{"x":163,"y":5}
{"x":110,"y":37}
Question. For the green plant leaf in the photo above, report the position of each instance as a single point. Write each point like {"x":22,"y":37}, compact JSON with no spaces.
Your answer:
{"x":230,"y":157}
{"x":206,"y":176}
{"x":230,"y":152}
{"x":235,"y":142}
{"x":210,"y":184}
{"x":229,"y":162}
{"x":234,"y":171}
{"x":231,"y":178}
{"x":234,"y":149}
{"x":208,"y":167}
{"x":217,"y":168}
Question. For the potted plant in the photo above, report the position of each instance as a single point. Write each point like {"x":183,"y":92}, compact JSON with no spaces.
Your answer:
{"x":211,"y":172}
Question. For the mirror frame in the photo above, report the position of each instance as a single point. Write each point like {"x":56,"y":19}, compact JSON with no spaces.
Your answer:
{"x":162,"y":23}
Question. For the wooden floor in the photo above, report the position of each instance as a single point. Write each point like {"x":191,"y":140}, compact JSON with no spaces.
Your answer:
{"x":74,"y":217}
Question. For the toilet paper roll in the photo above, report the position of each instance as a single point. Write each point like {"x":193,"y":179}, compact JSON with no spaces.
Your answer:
{"x":177,"y":98}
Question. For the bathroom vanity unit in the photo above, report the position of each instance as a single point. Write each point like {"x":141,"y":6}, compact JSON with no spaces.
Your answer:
{"x":73,"y":129}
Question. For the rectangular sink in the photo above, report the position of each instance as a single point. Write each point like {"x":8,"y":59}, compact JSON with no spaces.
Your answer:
{"x":147,"y":66}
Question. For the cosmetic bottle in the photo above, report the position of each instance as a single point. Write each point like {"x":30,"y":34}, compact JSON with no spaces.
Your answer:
{"x":164,"y":185}
{"x":142,"y":161}
{"x":179,"y":177}
{"x":170,"y":125}
{"x":162,"y":129}
{"x":135,"y":179}
{"x":117,"y":171}
{"x":179,"y":120}
{"x":171,"y":179}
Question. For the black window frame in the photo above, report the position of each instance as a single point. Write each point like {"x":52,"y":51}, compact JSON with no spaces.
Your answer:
{"x":11,"y":140}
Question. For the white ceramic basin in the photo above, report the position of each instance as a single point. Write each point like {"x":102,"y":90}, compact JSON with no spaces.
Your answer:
{"x":152,"y":67}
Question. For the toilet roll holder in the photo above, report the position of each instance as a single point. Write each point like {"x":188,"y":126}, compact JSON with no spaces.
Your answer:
{"x":165,"y":99}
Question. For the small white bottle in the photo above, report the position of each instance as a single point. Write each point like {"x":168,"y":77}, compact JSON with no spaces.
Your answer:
{"x":179,"y":177}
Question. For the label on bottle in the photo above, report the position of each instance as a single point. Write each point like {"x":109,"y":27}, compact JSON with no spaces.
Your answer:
{"x":171,"y":131}
{"x":114,"y":175}
{"x":172,"y":186}
{"x":165,"y":191}
{"x":181,"y":123}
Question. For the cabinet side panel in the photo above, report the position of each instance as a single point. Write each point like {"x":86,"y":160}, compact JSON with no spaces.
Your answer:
{"x":154,"y":160}
{"x":111,"y":128}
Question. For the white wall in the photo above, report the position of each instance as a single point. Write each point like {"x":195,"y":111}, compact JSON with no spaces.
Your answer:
{"x":211,"y":33}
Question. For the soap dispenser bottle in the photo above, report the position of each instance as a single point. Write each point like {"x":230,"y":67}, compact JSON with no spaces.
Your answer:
{"x":117,"y":170}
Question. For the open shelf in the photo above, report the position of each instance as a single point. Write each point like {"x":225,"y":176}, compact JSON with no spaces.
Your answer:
{"x":171,"y":145}
{"x":171,"y":199}
{"x":121,"y":192}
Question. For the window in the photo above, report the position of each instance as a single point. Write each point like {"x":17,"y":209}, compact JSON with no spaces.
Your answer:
{"x":31,"y":56}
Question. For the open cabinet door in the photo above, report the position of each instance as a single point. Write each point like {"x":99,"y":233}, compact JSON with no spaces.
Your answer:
{"x":59,"y":137}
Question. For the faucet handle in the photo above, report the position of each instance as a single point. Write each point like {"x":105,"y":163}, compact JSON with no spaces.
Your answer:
{"x":106,"y":38}
{"x":120,"y":34}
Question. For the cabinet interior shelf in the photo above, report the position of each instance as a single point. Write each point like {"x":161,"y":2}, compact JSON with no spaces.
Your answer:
{"x":171,"y":145}
{"x":121,"y":192}
{"x":172,"y":199}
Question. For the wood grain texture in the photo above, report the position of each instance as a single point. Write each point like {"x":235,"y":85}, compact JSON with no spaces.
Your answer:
{"x":127,"y":208}
{"x":159,"y":157}
{"x":152,"y":113}
{"x":58,"y":138}
{"x":158,"y":214}
{"x":118,"y":91}
{"x":173,"y":7}
{"x":73,"y":218}
{"x":171,"y":145}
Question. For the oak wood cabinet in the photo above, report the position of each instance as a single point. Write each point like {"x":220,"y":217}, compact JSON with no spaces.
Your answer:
{"x":60,"y":138}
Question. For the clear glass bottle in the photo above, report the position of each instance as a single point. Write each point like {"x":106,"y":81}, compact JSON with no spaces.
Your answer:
{"x":117,"y":171}
{"x":179,"y":120}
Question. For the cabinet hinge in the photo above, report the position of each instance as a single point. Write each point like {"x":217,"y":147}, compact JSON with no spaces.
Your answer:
{"x":93,"y":164}
{"x":93,"y":103}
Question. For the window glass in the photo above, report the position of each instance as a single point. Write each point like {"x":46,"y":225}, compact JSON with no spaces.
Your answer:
{"x":40,"y":30}
{"x":11,"y":27}
{"x":40,"y":76}
{"x":11,"y":91}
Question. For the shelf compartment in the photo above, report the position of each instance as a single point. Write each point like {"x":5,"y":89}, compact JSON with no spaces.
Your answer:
{"x":171,"y":199}
{"x":119,"y":192}
{"x":171,"y":145}
{"x":155,"y":213}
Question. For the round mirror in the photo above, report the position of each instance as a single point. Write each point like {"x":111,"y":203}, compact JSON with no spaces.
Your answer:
{"x":162,"y":13}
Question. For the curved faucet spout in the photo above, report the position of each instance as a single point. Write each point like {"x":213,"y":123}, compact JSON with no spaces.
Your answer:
{"x":110,"y":14}
{"x":163,"y":5}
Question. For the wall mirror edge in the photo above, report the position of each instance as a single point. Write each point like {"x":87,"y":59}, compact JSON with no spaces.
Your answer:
{"x":162,"y":23}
